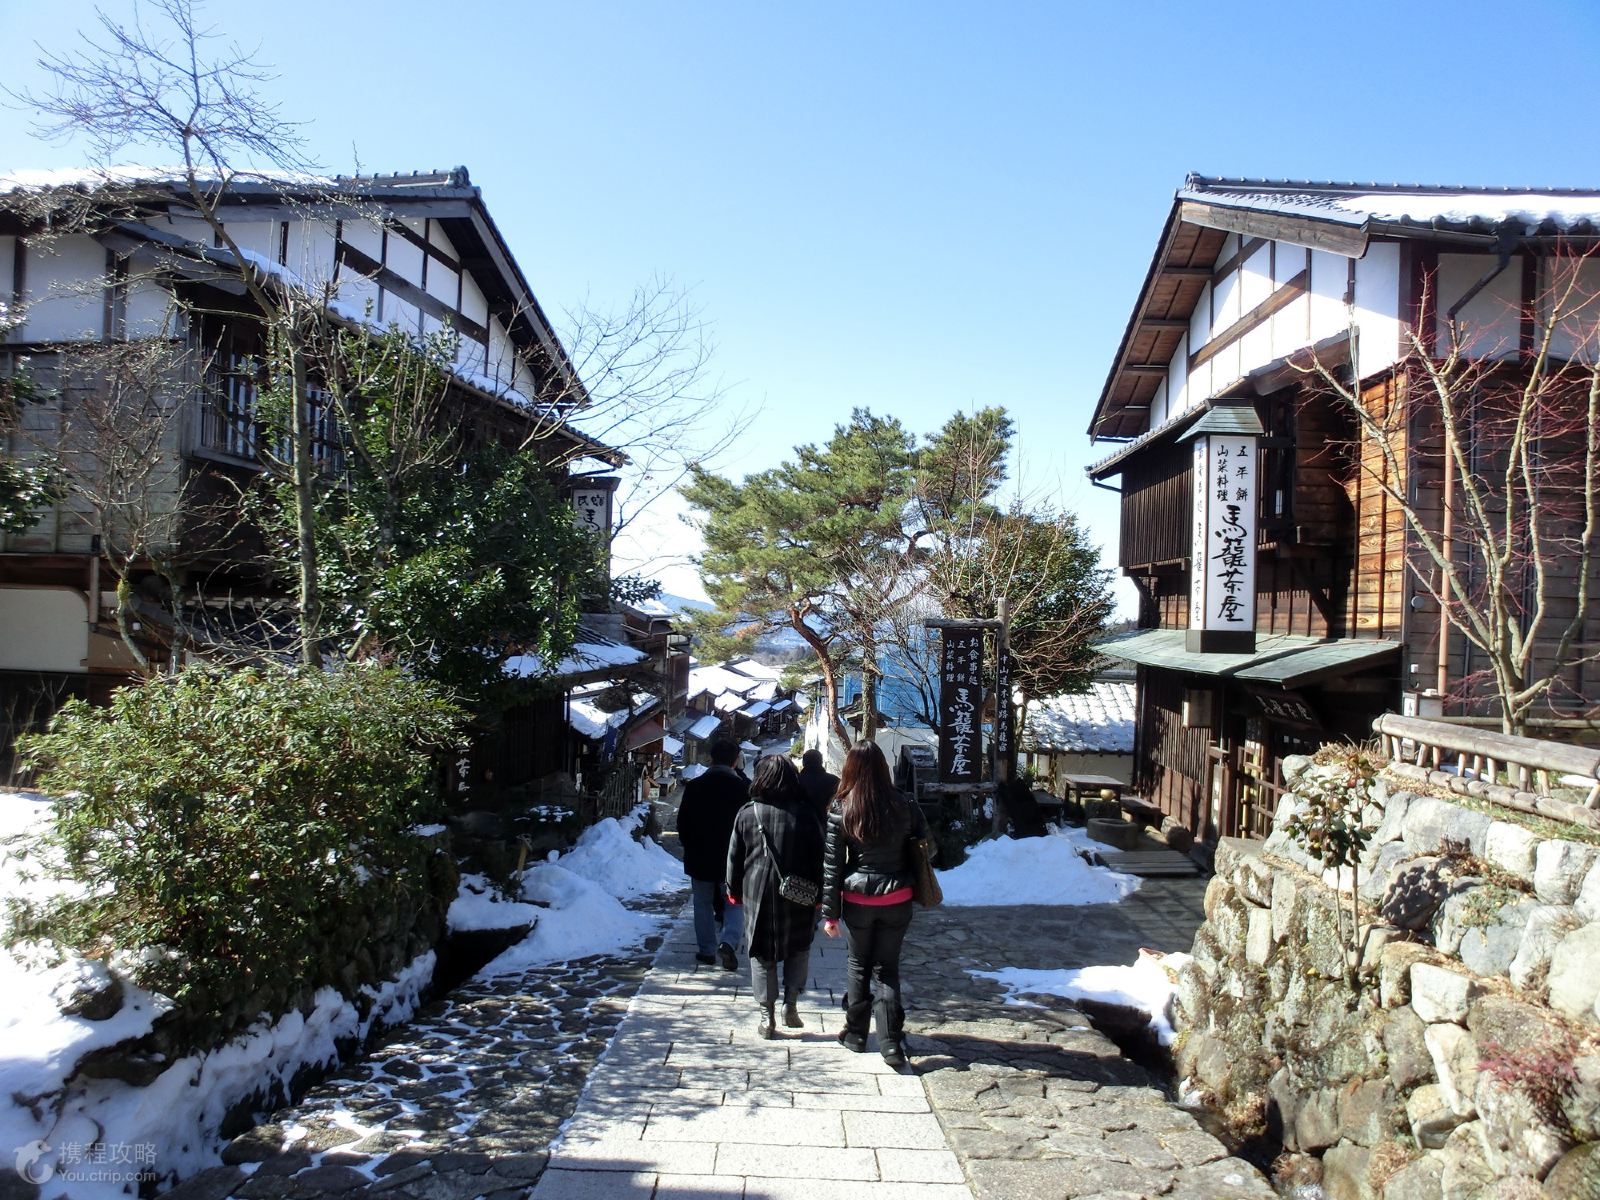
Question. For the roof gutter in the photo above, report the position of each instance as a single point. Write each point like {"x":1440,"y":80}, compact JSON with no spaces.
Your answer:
{"x":1504,"y":248}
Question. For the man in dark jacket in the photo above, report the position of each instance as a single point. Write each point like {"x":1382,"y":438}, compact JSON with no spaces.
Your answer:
{"x":819,"y":784}
{"x":705,"y":825}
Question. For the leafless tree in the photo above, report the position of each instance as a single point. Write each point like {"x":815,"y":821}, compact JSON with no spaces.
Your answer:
{"x":1491,"y":452}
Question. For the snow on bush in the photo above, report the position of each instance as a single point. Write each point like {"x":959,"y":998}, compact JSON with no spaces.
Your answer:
{"x":1041,"y":870}
{"x":1149,"y":985}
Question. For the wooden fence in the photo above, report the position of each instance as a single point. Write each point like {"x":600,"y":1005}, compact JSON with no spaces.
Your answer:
{"x":1518,"y":772}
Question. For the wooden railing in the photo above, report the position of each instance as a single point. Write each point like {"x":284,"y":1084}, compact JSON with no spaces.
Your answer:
{"x":1518,"y":772}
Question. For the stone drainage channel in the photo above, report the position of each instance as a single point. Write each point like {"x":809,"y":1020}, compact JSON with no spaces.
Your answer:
{"x":467,"y":1099}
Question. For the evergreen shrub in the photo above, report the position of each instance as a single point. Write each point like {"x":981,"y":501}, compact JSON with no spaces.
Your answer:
{"x":242,"y":837}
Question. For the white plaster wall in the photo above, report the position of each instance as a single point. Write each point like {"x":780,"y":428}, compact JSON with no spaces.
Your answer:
{"x":404,"y":259}
{"x":1175,"y":387}
{"x":66,"y":296}
{"x":473,"y":305}
{"x":150,"y":310}
{"x":502,"y":363}
{"x":436,"y":237}
{"x":1255,"y":283}
{"x":259,"y":237}
{"x":399,"y":312}
{"x":311,"y":251}
{"x":366,"y":237}
{"x":1490,"y":323}
{"x":47,"y":629}
{"x":1377,"y":306}
{"x":442,"y":282}
{"x":1574,"y":336}
{"x":1329,"y":278}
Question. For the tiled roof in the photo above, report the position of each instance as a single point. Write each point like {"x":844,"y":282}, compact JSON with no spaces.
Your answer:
{"x":1536,"y":210}
{"x":1099,"y":721}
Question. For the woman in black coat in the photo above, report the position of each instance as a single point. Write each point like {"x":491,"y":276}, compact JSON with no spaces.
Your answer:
{"x":867,"y":879}
{"x":776,"y":836}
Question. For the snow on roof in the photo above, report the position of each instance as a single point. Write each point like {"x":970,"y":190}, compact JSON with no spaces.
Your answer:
{"x":750,"y":747}
{"x":756,"y":670}
{"x":704,"y":728}
{"x":1546,"y":210}
{"x":694,"y":771}
{"x":718,"y":680}
{"x":759,"y":709}
{"x":728,"y":702}
{"x":592,"y":721}
{"x":764,"y":691}
{"x":1099,"y":721}
{"x":780,"y":705}
{"x":671,"y":745}
{"x":592,"y":654}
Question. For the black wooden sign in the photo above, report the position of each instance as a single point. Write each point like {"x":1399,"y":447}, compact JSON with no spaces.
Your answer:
{"x":960,"y":705}
{"x":1002,"y":710}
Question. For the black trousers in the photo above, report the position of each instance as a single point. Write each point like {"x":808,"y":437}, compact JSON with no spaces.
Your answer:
{"x":873,"y":934}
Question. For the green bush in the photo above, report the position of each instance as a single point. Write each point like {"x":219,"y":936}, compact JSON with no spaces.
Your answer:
{"x":245,"y":831}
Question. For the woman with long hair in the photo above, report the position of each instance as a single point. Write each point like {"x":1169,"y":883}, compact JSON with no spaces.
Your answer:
{"x":866,"y":879}
{"x":776,"y":845}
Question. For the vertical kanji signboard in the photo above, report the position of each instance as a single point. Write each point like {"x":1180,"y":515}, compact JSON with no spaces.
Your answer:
{"x":1222,"y":563}
{"x":960,"y":705}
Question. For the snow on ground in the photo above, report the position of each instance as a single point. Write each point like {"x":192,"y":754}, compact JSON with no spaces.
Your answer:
{"x":1149,"y":985}
{"x":1041,"y":870}
{"x":608,"y":854}
{"x":581,"y":890}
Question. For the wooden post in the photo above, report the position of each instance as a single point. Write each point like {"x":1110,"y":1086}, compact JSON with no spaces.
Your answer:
{"x":1002,"y":704}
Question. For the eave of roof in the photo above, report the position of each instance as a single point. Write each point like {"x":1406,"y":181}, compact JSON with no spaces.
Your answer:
{"x":1329,"y":216}
{"x":1282,"y":660}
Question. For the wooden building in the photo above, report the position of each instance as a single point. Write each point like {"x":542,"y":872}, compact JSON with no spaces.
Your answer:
{"x":1308,"y":615}
{"x":92,"y":260}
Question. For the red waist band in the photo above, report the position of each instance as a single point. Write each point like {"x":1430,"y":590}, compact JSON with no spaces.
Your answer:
{"x":898,"y":896}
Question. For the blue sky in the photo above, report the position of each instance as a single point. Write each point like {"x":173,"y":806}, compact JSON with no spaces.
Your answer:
{"x":915,"y":207}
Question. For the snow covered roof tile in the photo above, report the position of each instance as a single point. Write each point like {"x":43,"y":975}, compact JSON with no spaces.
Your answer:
{"x":718,"y":680}
{"x":1099,"y":721}
{"x":704,"y":729}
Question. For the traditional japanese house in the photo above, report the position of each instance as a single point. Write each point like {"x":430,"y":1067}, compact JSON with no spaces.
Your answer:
{"x":1283,"y":593}
{"x":95,"y":259}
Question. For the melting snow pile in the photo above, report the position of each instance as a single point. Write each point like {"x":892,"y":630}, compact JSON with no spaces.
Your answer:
{"x":608,"y":854}
{"x":1041,"y":870}
{"x":1149,"y":985}
{"x":581,"y":913}
{"x":478,"y":906}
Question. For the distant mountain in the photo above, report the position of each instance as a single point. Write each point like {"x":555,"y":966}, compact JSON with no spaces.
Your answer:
{"x":684,"y":604}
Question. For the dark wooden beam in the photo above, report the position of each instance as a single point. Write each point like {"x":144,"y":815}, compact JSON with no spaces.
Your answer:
{"x":1144,"y":369}
{"x":1186,"y":272}
{"x":1163,"y":322}
{"x":1287,"y":294}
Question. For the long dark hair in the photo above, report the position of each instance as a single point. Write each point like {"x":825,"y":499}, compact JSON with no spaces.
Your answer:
{"x":868,"y":799}
{"x":776,"y":781}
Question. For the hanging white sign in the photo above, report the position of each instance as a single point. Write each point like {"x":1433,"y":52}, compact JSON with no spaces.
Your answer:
{"x":1222,"y":589}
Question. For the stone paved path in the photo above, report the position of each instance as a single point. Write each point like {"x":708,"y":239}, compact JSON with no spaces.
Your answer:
{"x":1034,"y":1101}
{"x":690,"y":1102}
{"x":1002,"y":1101}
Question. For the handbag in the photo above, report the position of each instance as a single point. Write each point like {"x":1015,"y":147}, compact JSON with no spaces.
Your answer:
{"x":792,"y":888}
{"x":925,"y":889}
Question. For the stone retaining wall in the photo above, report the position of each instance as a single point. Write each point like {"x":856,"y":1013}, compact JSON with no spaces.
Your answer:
{"x":1465,"y":1061}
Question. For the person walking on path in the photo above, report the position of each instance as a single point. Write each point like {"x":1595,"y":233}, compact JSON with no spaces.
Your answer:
{"x":705,"y":823}
{"x":819,"y":783}
{"x":866,"y":880}
{"x":775,"y":852}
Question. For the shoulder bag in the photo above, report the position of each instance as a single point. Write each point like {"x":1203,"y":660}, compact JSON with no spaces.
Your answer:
{"x":925,"y":889}
{"x":792,"y":888}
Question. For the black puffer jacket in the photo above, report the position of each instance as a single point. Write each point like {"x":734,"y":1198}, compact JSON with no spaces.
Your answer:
{"x":872,"y":869}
